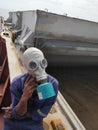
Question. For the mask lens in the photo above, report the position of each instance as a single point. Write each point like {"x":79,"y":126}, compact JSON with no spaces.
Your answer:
{"x":44,"y":63}
{"x":33,"y":65}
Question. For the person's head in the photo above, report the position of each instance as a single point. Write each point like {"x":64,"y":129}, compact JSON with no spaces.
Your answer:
{"x":35,"y":63}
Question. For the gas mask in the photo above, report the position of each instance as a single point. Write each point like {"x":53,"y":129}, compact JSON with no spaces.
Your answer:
{"x":35,"y":62}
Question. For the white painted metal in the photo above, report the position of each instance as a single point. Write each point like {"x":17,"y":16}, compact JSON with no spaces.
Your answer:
{"x":14,"y":18}
{"x":68,"y":112}
{"x":29,"y":19}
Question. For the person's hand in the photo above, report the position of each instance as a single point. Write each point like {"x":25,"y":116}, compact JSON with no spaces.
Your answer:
{"x":29,"y":87}
{"x":7,"y":111}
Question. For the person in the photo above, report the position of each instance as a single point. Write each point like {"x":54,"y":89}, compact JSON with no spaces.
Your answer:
{"x":27,"y":109}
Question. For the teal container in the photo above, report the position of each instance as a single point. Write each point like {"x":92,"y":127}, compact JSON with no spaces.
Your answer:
{"x":45,"y":91}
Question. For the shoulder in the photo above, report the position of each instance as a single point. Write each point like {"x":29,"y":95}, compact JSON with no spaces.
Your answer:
{"x":19,"y":77}
{"x":54,"y":81}
{"x":17,"y":81}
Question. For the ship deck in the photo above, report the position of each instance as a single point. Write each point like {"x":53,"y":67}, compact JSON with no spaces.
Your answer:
{"x":61,"y":113}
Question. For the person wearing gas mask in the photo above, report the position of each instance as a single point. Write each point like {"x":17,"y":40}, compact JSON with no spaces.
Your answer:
{"x":33,"y":94}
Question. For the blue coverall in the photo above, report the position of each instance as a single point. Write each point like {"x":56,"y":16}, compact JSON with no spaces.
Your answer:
{"x":38,"y":109}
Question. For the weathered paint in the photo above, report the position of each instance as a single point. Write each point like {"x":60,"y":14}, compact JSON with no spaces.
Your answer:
{"x":60,"y":37}
{"x":55,"y":26}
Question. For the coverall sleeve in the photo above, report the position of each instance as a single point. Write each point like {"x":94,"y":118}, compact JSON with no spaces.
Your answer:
{"x":15,"y":95}
{"x":42,"y":112}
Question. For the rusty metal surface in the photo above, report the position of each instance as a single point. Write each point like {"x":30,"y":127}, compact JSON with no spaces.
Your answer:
{"x":79,"y":86}
{"x":1,"y":120}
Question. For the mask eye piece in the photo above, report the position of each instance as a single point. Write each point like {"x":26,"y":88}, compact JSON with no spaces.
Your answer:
{"x":33,"y":65}
{"x":44,"y":63}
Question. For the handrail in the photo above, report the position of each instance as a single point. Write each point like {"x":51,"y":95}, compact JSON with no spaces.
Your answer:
{"x":68,"y":112}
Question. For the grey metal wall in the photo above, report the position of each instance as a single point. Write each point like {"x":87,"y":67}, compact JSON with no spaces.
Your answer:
{"x":61,"y":27}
